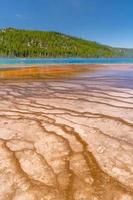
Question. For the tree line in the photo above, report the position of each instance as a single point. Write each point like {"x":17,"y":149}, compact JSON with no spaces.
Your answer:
{"x":25,"y":43}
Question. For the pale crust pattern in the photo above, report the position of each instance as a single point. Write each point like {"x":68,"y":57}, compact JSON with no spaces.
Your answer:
{"x":68,"y":139}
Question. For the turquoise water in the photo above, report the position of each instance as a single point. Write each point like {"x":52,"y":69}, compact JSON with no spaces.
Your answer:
{"x":29,"y":61}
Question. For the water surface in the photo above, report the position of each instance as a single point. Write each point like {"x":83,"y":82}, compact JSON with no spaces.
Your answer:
{"x":32,"y":61}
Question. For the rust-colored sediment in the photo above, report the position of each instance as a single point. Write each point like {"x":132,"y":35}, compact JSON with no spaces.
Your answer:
{"x":51,"y":71}
{"x":65,"y":139}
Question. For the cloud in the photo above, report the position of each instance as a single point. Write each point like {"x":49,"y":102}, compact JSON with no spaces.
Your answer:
{"x":21,"y":17}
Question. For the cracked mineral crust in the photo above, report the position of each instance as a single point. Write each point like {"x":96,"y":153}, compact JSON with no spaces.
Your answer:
{"x":66,"y":139}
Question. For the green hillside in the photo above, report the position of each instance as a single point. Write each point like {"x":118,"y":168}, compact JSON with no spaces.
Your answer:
{"x":25,"y":43}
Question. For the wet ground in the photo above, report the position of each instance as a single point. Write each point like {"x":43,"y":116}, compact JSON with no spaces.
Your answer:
{"x":67,"y":137}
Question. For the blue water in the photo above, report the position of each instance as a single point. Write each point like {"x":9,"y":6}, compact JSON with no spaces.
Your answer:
{"x":29,"y":61}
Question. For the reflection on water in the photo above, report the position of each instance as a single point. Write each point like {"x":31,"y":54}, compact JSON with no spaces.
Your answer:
{"x":112,"y":75}
{"x":55,"y":71}
{"x":115,"y":78}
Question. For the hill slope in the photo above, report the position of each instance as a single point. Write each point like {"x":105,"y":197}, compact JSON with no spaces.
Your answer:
{"x":23,"y":43}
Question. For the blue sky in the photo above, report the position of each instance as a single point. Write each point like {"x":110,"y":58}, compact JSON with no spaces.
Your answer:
{"x":106,"y":21}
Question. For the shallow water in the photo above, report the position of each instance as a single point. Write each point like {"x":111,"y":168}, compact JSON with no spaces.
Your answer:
{"x":111,"y":75}
{"x":116,"y":78}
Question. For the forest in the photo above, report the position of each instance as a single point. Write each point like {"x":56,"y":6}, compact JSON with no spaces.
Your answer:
{"x":43,"y":44}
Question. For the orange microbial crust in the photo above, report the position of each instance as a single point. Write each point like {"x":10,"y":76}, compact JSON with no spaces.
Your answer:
{"x":44,"y":71}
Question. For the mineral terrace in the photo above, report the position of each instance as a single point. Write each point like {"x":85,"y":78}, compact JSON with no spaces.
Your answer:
{"x":66,"y":139}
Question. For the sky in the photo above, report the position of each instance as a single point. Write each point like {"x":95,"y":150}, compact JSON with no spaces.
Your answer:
{"x":105,"y":21}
